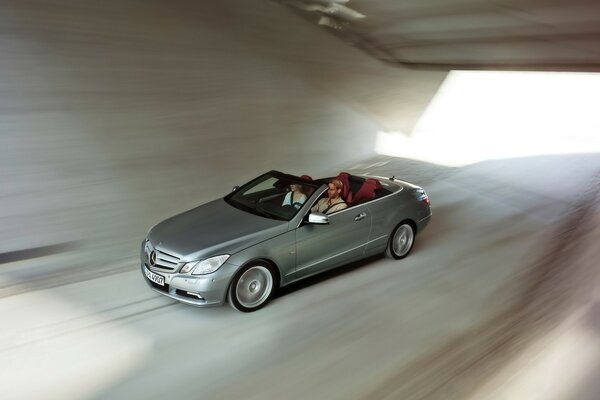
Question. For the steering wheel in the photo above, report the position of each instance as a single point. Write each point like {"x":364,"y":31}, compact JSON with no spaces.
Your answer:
{"x":288,"y":210}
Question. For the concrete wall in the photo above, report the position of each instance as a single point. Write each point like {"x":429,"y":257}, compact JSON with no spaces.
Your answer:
{"x":114,"y":115}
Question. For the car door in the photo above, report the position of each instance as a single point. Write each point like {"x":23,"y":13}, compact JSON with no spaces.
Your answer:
{"x":323,"y":246}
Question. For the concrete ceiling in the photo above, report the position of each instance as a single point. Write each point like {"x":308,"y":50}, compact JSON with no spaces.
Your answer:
{"x":466,"y":34}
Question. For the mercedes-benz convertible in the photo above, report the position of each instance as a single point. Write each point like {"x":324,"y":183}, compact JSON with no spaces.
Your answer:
{"x":263,"y":235}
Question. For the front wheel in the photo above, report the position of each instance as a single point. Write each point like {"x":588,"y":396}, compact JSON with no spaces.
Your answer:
{"x":251,"y":288}
{"x":401,"y":241}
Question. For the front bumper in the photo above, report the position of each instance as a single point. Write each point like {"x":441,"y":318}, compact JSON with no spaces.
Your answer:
{"x":195,"y":290}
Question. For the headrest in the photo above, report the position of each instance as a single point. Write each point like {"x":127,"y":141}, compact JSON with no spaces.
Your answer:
{"x":374,"y":182}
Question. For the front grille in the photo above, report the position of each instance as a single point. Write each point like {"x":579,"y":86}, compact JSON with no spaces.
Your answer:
{"x":165,"y":261}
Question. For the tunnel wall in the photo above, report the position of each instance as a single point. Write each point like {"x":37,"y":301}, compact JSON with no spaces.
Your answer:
{"x":115,"y":115}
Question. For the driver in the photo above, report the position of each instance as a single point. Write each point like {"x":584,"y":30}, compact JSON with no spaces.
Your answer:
{"x":333,"y":202}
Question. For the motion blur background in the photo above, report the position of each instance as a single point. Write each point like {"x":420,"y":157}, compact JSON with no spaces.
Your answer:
{"x":115,"y":115}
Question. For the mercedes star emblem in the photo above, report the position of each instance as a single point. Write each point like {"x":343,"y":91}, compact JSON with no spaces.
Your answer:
{"x":152,"y":258}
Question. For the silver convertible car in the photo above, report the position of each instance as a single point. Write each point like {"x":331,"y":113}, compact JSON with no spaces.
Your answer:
{"x":263,"y":236}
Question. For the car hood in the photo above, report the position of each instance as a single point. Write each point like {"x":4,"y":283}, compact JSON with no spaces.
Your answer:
{"x":212,"y":229}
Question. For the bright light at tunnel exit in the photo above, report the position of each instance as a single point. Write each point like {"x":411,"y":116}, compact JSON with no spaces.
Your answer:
{"x":486,"y":115}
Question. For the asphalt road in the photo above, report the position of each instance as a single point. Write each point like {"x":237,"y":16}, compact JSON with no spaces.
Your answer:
{"x":416,"y":328}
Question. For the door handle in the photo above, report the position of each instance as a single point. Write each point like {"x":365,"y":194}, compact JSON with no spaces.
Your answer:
{"x":360,"y":216}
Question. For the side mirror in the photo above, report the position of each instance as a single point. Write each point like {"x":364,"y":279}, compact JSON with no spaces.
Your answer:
{"x":318,"y":218}
{"x":235,"y":188}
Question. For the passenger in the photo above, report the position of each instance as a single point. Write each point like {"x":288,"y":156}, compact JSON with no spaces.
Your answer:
{"x":295,"y":197}
{"x":333,"y":202}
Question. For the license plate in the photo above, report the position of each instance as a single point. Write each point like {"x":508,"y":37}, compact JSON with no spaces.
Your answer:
{"x":158,"y":279}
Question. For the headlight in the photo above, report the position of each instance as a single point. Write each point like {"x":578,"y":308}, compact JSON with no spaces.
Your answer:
{"x":188,"y":267}
{"x":204,"y":267}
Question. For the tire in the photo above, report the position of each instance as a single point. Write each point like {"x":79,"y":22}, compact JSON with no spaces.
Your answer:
{"x":252,"y":287}
{"x":401,"y":241}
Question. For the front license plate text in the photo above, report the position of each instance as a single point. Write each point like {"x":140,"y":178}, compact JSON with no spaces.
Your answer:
{"x":159,"y":280}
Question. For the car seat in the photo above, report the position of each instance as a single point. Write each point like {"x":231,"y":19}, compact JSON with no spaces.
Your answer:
{"x":367,"y":191}
{"x":347,"y":196}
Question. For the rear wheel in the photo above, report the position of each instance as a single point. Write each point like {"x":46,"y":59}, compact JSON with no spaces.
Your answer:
{"x":401,"y":241}
{"x":252,"y":287}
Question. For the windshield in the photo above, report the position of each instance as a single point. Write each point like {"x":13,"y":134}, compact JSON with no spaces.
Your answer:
{"x":273,"y":195}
